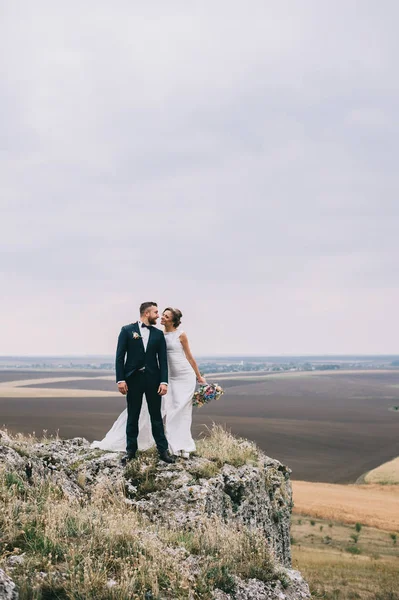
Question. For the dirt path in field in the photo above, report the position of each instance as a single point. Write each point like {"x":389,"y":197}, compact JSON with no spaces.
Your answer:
{"x":373,"y":505}
{"x":20,"y":388}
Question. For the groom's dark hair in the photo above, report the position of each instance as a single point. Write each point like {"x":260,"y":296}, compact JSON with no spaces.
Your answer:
{"x":145,"y":305}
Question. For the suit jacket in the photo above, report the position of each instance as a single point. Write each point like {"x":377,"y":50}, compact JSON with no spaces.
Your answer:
{"x":131,"y":356}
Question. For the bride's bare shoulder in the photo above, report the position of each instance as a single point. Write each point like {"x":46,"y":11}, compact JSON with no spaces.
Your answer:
{"x":183,"y":336}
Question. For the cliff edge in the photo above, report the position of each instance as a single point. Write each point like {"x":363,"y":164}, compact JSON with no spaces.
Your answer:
{"x":75,"y":524}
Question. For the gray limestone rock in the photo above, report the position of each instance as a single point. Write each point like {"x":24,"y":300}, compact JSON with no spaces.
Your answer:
{"x":296,"y":589}
{"x":8,"y":590}
{"x":257,"y":496}
{"x":10,"y":458}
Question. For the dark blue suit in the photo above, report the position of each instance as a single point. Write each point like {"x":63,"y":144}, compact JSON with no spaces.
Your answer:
{"x":143,"y":370}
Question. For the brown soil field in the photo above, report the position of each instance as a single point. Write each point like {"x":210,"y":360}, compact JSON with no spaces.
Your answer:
{"x":70,"y":417}
{"x":328,"y":427}
{"x":20,"y":374}
{"x":370,"y":504}
{"x":85,"y":384}
{"x":325,"y":427}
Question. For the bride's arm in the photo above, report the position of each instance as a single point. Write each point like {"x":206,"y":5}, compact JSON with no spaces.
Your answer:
{"x":184,"y":342}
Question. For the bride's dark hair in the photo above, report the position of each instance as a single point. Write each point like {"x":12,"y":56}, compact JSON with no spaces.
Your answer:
{"x":176,"y":314}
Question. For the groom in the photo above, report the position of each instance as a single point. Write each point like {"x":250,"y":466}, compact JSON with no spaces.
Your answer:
{"x":142,"y":368}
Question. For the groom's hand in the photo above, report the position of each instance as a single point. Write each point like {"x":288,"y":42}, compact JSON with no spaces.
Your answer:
{"x":122,"y":387}
{"x":163,"y":389}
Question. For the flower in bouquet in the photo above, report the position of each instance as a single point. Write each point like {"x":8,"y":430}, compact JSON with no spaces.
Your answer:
{"x":206,"y":393}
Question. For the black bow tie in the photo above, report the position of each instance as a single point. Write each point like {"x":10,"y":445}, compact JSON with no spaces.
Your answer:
{"x":144,"y":325}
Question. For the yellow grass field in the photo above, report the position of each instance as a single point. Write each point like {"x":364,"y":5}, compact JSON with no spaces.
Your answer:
{"x":339,"y":575}
{"x":370,"y":504}
{"x":345,"y":561}
{"x":388,"y":473}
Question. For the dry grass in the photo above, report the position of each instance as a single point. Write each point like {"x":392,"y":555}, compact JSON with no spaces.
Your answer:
{"x":337,"y":537}
{"x":386,"y":474}
{"x":338,"y":576}
{"x":23,"y":444}
{"x":323,"y":552}
{"x":373,"y":505}
{"x":221,"y":446}
{"x":218,"y":448}
{"x":102,"y":548}
{"x":205,"y":471}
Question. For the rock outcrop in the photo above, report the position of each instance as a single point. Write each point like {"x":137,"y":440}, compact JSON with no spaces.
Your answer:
{"x":255,"y":496}
{"x":7,"y":587}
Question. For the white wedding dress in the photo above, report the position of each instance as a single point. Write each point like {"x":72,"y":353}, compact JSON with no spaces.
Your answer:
{"x":176,"y":407}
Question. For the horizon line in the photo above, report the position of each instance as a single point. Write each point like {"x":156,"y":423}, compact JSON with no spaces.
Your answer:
{"x":258,"y":355}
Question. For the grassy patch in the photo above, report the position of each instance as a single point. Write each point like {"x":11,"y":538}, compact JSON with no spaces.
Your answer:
{"x":222,"y":447}
{"x":142,"y":473}
{"x":12,"y":480}
{"x":34,"y":539}
{"x":205,"y":470}
{"x":235,"y":550}
{"x":353,"y":549}
{"x":23,"y":451}
{"x":76,"y":465}
{"x":220,"y":578}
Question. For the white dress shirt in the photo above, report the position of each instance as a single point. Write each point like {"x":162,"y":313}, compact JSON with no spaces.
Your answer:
{"x":145,"y":334}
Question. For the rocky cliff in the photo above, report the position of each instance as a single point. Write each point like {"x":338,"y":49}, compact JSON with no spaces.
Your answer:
{"x":76,"y":524}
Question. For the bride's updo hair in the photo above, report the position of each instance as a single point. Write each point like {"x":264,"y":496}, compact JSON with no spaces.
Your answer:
{"x":176,"y":315}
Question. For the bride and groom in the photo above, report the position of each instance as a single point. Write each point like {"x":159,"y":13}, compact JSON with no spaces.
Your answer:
{"x":158,"y":365}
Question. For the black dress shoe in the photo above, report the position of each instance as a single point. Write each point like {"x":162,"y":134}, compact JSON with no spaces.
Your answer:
{"x":166,"y":457}
{"x":128,"y":457}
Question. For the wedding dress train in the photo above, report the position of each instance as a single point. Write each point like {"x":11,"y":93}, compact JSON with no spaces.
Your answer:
{"x":115,"y":439}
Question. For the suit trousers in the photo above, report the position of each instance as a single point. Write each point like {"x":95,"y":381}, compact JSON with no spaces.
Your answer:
{"x":141,"y":382}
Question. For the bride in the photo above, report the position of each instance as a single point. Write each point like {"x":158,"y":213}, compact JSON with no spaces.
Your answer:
{"x":183,"y":371}
{"x":177,"y":403}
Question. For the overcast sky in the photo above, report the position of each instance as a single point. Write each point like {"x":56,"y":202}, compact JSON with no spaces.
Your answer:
{"x":238,"y":160}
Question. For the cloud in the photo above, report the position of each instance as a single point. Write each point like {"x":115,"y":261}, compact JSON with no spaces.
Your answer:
{"x":236,"y":161}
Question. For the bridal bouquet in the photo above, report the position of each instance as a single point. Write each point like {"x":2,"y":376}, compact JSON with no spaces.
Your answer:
{"x":206,"y":393}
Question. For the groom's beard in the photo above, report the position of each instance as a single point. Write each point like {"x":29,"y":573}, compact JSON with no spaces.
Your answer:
{"x":152,"y":321}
